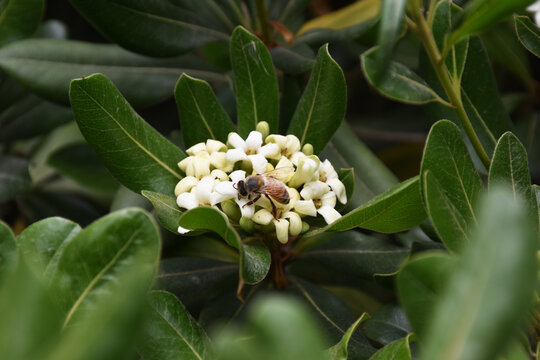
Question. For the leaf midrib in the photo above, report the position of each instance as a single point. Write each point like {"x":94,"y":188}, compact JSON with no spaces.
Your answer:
{"x":195,"y":352}
{"x":201,"y":115}
{"x":310,"y":114}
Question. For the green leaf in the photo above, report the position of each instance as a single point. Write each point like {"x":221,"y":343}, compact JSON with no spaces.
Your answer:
{"x":167,"y":211}
{"x":19,"y":19}
{"x":257,"y":94}
{"x":387,"y":324}
{"x":201,"y":115}
{"x":354,"y":253}
{"x":340,"y":351}
{"x":398,"y":82}
{"x":528,"y":34}
{"x":125,"y":198}
{"x":507,"y":274}
{"x":481,"y":14}
{"x":171,"y":333}
{"x":420,"y":284}
{"x":398,"y":209}
{"x":14,"y":177}
{"x":119,"y":243}
{"x":392,"y":14}
{"x":295,"y":59}
{"x":46,"y":67}
{"x":42,"y":243}
{"x":452,"y":186}
{"x":267,"y":338}
{"x":509,"y":166}
{"x":80,"y":162}
{"x":397,"y":350}
{"x":322,"y":106}
{"x":194,"y":279}
{"x":254,"y":256}
{"x":164,"y":28}
{"x":31,"y":116}
{"x":8,"y":248}
{"x":137,"y":155}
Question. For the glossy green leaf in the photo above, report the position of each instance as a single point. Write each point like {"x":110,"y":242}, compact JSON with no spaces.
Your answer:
{"x":294,"y":59}
{"x":267,"y":338}
{"x":14,"y":177}
{"x":420,"y":284}
{"x":11,"y":91}
{"x":254,"y":256}
{"x":46,"y":67}
{"x":452,"y":186}
{"x":171,"y":333}
{"x":322,"y":106}
{"x":201,"y":115}
{"x":8,"y":248}
{"x":397,"y":350}
{"x":528,"y":33}
{"x":119,"y":243}
{"x":164,"y":28}
{"x":397,"y":209}
{"x":136,"y":154}
{"x":42,"y":243}
{"x":194,"y":279}
{"x":167,"y":211}
{"x":481,"y":14}
{"x":19,"y":19}
{"x":257,"y":94}
{"x":371,"y":176}
{"x":354,"y":253}
{"x":207,"y":247}
{"x":507,"y":274}
{"x":392,"y":13}
{"x":398,"y":83}
{"x":333,"y":316}
{"x":30,"y":116}
{"x":340,"y":351}
{"x":387,"y":324}
{"x":125,"y":198}
{"x":80,"y":162}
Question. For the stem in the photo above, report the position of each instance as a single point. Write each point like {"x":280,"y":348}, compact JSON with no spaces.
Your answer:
{"x":451,"y":88}
{"x":262,"y":15}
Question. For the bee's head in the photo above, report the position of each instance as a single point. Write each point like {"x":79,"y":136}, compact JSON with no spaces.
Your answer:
{"x":241,"y":187}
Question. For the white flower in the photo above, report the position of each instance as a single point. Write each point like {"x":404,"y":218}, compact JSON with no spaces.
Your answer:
{"x":535,"y":8}
{"x":328,"y":175}
{"x":251,"y":150}
{"x":203,"y":157}
{"x":226,"y":190}
{"x":287,"y":223}
{"x":306,"y":171}
{"x":288,"y":145}
{"x":323,"y":200}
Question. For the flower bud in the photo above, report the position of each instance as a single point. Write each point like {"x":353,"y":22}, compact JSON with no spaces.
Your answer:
{"x":263,"y":128}
{"x":307,"y":149}
{"x":246,"y":224}
{"x":305,"y":227}
{"x":230,"y":209}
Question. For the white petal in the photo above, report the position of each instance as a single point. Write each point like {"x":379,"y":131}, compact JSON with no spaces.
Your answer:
{"x":216,"y":198}
{"x":234,"y":155}
{"x":183,"y":164}
{"x":293,"y":144}
{"x":236,"y":141}
{"x":197,"y":148}
{"x":226,"y":188}
{"x":297,"y":157}
{"x":182,"y":230}
{"x":204,"y":188}
{"x":187,"y":200}
{"x":270,"y":150}
{"x":263,"y":217}
{"x":535,"y":7}
{"x":259,"y":163}
{"x":254,"y":140}
{"x":329,"y":199}
{"x":329,"y":214}
{"x":280,"y":140}
{"x":237,"y":175}
{"x":338,"y":188}
{"x":247,"y":211}
{"x":284,"y":162}
{"x":220,"y":175}
{"x":305,"y":207}
{"x":295,"y":222}
{"x":219,"y":160}
{"x":213,"y":146}
{"x":327,"y":171}
{"x":201,"y":166}
{"x":537,"y":17}
{"x":282,"y":230}
{"x":185,"y":185}
{"x":314,"y":190}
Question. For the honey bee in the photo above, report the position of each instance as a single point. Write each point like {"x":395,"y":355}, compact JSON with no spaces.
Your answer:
{"x":270,"y":184}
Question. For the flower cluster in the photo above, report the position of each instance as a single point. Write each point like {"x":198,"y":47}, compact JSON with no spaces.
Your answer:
{"x":287,"y":182}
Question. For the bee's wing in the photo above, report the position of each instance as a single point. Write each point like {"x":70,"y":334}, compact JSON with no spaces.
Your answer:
{"x":282,"y":174}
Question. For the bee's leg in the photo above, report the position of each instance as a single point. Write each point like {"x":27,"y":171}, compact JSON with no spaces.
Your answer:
{"x":252,"y":201}
{"x":274,"y":209}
